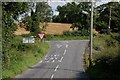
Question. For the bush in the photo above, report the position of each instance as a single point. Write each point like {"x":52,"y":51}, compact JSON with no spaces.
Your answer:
{"x":116,"y":37}
{"x":107,"y":58}
{"x":48,"y":37}
{"x":110,"y":42}
{"x":67,"y":33}
{"x":105,"y":31}
{"x":21,"y":56}
{"x":106,"y":63}
{"x":83,"y":32}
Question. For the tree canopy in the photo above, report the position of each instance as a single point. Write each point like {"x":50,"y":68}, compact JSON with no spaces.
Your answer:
{"x":102,"y":21}
{"x":10,"y":12}
{"x":42,"y":12}
{"x":73,"y":13}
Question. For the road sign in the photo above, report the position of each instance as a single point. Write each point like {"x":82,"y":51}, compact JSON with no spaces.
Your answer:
{"x":31,"y":40}
{"x":41,"y":35}
{"x":25,"y":40}
{"x":28,"y":40}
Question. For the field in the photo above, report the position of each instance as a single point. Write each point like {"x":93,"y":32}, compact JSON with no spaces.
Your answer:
{"x":21,"y":31}
{"x":52,"y":28}
{"x":57,"y":28}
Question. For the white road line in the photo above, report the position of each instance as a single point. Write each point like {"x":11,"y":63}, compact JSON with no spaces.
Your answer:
{"x":52,"y":76}
{"x":55,"y":57}
{"x":66,"y":45}
{"x":56,"y":68}
{"x":40,"y":62}
{"x":51,"y":58}
{"x":45,"y":58}
{"x":47,"y":61}
{"x":53,"y":61}
{"x":64,"y":52}
{"x":58,"y":45}
{"x":61,"y":59}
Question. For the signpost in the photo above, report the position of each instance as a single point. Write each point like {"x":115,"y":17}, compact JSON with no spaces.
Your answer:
{"x":28,"y":40}
{"x":31,"y":40}
{"x":41,"y":35}
{"x":25,"y":40}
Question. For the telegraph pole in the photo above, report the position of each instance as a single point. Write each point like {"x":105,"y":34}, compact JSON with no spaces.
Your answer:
{"x":91,"y":32}
{"x":109,"y":19}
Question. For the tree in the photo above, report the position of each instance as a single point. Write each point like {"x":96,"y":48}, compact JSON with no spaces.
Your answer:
{"x":10,"y":12}
{"x":102,"y":21}
{"x":41,"y":13}
{"x":72,"y":13}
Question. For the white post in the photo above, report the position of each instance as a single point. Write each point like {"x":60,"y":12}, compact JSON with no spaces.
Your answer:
{"x":91,"y":33}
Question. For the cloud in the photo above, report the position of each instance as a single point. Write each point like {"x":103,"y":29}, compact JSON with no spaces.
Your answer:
{"x":54,"y":6}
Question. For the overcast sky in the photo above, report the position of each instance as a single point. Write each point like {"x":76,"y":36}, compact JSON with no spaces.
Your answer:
{"x":54,"y":4}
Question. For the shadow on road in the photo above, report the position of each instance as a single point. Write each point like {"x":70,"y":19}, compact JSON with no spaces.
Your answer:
{"x":80,"y":75}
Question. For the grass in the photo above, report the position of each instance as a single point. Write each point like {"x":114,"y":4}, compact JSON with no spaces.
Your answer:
{"x":105,"y":58}
{"x":21,"y":60}
{"x":62,"y":37}
{"x":87,"y":61}
{"x":106,"y":65}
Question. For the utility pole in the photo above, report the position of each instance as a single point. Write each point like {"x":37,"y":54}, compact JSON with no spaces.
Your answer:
{"x":109,"y":19}
{"x":91,"y":32}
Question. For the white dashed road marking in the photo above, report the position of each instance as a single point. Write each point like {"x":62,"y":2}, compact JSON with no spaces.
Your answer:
{"x":58,"y":45}
{"x":40,"y":62}
{"x":64,"y":52}
{"x":51,"y":58}
{"x":56,"y":68}
{"x":66,"y":45}
{"x":61,"y":59}
{"x":52,"y":76}
{"x":53,"y":61}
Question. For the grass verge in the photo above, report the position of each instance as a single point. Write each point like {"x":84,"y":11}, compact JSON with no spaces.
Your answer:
{"x":22,"y":56}
{"x":106,"y":58}
{"x":63,"y":37}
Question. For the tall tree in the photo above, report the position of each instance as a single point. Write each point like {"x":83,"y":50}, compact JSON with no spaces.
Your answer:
{"x":108,"y":15}
{"x":10,"y":12}
{"x":73,"y":13}
{"x":40,"y":12}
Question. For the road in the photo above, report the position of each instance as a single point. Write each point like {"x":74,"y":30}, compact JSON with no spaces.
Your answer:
{"x":64,"y":60}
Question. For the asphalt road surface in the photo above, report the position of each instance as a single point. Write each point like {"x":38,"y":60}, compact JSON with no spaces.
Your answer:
{"x":64,"y":60}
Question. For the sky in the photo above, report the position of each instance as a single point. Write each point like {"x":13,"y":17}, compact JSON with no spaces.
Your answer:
{"x":54,"y":4}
